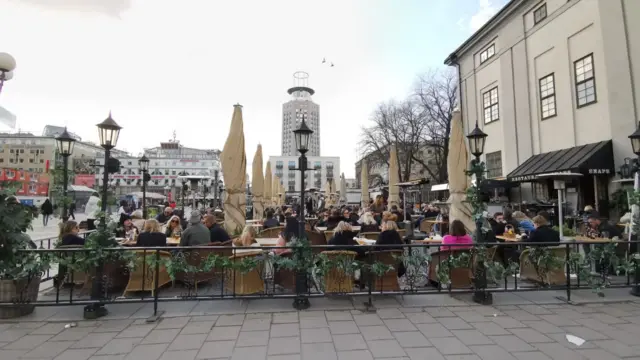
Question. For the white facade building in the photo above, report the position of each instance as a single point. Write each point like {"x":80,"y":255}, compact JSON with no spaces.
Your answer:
{"x":322,"y":169}
{"x":556,"y":86}
{"x":292,"y":111}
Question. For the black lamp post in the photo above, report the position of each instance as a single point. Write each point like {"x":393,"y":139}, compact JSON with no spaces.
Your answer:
{"x":633,"y":169}
{"x":144,"y":168}
{"x":477,"y":140}
{"x":65,"y":143}
{"x":302,"y":135}
{"x":108,"y":131}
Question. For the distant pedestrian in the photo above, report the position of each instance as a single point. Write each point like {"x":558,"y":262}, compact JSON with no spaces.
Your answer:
{"x":46,"y":209}
{"x":72,"y":209}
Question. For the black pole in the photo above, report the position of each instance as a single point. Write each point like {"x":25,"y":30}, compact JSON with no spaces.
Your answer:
{"x":97,"y":309}
{"x":480,"y":296}
{"x":144,"y":194}
{"x":65,"y":180}
{"x":301,"y":302}
{"x":215,"y":190}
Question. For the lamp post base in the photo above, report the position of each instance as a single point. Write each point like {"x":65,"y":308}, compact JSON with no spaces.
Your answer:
{"x":95,"y":311}
{"x":301,"y":303}
{"x":635,"y":290}
{"x":483,"y":297}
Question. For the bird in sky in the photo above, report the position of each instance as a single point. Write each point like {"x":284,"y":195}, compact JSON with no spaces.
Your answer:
{"x":324,"y":60}
{"x":332,"y":65}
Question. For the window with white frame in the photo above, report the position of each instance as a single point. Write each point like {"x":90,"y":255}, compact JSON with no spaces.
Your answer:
{"x":490,"y":105}
{"x":540,"y":13}
{"x":487,"y":53}
{"x":585,"y":81}
{"x":494,"y":164}
{"x":548,"y":96}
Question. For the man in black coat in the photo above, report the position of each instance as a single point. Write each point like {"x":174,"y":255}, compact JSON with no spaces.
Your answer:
{"x":217,"y":233}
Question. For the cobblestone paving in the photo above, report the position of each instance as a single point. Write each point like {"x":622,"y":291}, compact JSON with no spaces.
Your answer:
{"x":524,"y":332}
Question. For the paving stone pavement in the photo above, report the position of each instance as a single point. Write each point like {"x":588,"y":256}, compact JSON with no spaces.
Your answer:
{"x":499,"y":332}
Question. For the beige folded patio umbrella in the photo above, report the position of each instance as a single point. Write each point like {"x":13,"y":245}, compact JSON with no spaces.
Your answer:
{"x":334,"y":197}
{"x":327,"y":194}
{"x":267,"y":186}
{"x":457,"y":162}
{"x":234,"y":170}
{"x":275,"y":189}
{"x":343,"y":189}
{"x":394,"y":190}
{"x":257,"y":184}
{"x":283,"y":191}
{"x":364,"y":185}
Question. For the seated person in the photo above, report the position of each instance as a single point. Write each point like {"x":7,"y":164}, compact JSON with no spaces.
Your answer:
{"x":152,"y":235}
{"x":497,"y":223}
{"x":270,"y":221}
{"x":69,"y":234}
{"x":543,"y":232}
{"x":217,"y":233}
{"x":334,"y":219}
{"x":368,"y":223}
{"x":399,"y":215}
{"x":390,"y":236}
{"x":322,"y":219}
{"x":138,"y":220}
{"x":281,"y":242}
{"x":196,"y":234}
{"x":126,"y":229}
{"x":599,"y":228}
{"x":174,"y":227}
{"x":457,"y":235}
{"x":165,"y":215}
{"x":247,"y":238}
{"x":343,"y":237}
{"x":524,"y":222}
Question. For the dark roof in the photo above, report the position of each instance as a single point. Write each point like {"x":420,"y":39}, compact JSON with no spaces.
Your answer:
{"x":590,"y":159}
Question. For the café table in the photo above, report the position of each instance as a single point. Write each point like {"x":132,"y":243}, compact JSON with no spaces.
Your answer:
{"x":252,"y":221}
{"x":267,"y":241}
{"x":505,"y":238}
{"x":321,"y":228}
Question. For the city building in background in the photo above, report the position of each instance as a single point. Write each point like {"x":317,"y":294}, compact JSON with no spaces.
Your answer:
{"x":292,"y":110}
{"x":166,"y":163}
{"x":321,"y":170}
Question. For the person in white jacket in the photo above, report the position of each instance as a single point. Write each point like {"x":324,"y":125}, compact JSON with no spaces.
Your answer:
{"x":92,"y":209}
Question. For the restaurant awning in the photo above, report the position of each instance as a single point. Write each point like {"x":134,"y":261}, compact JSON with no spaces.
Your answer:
{"x":590,"y":159}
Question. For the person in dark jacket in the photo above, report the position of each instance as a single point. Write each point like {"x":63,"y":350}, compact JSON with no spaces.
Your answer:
{"x":368,"y":223}
{"x":165,"y":215}
{"x":47,"y":210}
{"x":343,"y":239}
{"x":270,"y":221}
{"x":69,"y":234}
{"x":602,"y":229}
{"x":72,"y":209}
{"x":152,"y":235}
{"x":334,"y":219}
{"x":543,"y":233}
{"x":390,"y":236}
{"x":399,"y":215}
{"x":217,"y":233}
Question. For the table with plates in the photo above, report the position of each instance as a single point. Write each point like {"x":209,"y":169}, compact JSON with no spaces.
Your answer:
{"x":507,"y":238}
{"x":324,"y":228}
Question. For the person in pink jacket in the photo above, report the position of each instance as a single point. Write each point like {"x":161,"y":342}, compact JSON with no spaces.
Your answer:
{"x":457,"y":235}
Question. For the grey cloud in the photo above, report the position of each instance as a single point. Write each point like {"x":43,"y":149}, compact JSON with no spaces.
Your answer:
{"x":112,"y":8}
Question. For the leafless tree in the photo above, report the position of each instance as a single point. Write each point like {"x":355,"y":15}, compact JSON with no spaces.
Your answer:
{"x":421,"y":122}
{"x":436,"y":93}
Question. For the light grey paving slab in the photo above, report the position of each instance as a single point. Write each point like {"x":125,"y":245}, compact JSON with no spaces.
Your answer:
{"x":188,"y":342}
{"x":76,"y":354}
{"x":119,"y":346}
{"x":530,"y":355}
{"x":557,"y":351}
{"x":508,"y":322}
{"x":385,"y":349}
{"x":205,"y":318}
{"x":472,"y":337}
{"x":230,"y":320}
{"x":312,"y":313}
{"x":530,"y":335}
{"x":147,"y":352}
{"x":511,"y":343}
{"x":338,"y":315}
{"x":376,"y":333}
{"x":219,"y":307}
{"x":544,"y":327}
{"x":216,"y":349}
{"x":463,"y":357}
{"x":438,"y":312}
{"x":355,"y":355}
{"x":245,"y":353}
{"x":48,"y":329}
{"x":435,"y":330}
{"x":585,"y":333}
{"x":253,"y":338}
{"x":490,"y":328}
{"x":173,"y":322}
{"x":285,"y":357}
{"x":411,"y":339}
{"x":454,"y":323}
{"x":426,"y":353}
{"x":617,"y":348}
{"x":224,"y":333}
{"x":283,"y":346}
{"x":421,"y":318}
{"x":197,"y":327}
{"x":399,"y":325}
{"x":48,"y":350}
{"x":343,"y":327}
{"x":94,"y":340}
{"x":597,"y":354}
{"x":27,"y":342}
{"x":12,"y":334}
{"x":450,"y":346}
{"x":256,"y":324}
{"x":179,"y":355}
{"x":11,"y":354}
{"x":348,"y":342}
{"x":319,"y":351}
{"x":135,"y":331}
{"x":285,"y":330}
{"x":107,"y":357}
{"x":317,"y":335}
{"x":113,"y":325}
{"x":164,"y":336}
{"x":311,"y":323}
{"x":491,"y":352}
{"x":390,"y":313}
{"x":367,"y":320}
{"x":253,"y":316}
{"x":72,"y":334}
{"x":472,"y":316}
{"x":285,"y":318}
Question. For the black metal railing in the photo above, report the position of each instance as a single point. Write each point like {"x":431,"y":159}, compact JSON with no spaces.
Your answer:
{"x":161,"y":274}
{"x":50,"y":243}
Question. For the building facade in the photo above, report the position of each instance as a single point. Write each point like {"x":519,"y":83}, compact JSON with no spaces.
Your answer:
{"x":555,"y":85}
{"x":321,"y":170}
{"x":166,"y":163}
{"x":292,"y":112}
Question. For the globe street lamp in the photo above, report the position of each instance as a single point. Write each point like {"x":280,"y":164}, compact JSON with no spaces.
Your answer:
{"x":302,"y":135}
{"x":477,"y":140}
{"x":144,"y":168}
{"x":108,"y":131}
{"x":65,"y":143}
{"x":7,"y":65}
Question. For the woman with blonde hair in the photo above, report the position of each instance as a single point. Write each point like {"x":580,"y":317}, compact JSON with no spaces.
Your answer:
{"x":69,"y":234}
{"x":390,"y":236}
{"x":247,"y":238}
{"x":152,"y":234}
{"x":343,"y":237}
{"x":174,"y":228}
{"x":368,"y":223}
{"x":378,"y":206}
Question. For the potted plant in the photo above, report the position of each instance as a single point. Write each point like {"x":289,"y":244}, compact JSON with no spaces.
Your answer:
{"x":20,"y":271}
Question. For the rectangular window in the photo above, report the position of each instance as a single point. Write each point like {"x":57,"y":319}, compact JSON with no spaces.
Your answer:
{"x":494,"y":164}
{"x":585,"y":81}
{"x":490,"y":105}
{"x":487,"y":53}
{"x":540,"y":14}
{"x":548,"y":96}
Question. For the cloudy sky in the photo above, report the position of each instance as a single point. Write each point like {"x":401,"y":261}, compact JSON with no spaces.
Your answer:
{"x":165,"y":65}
